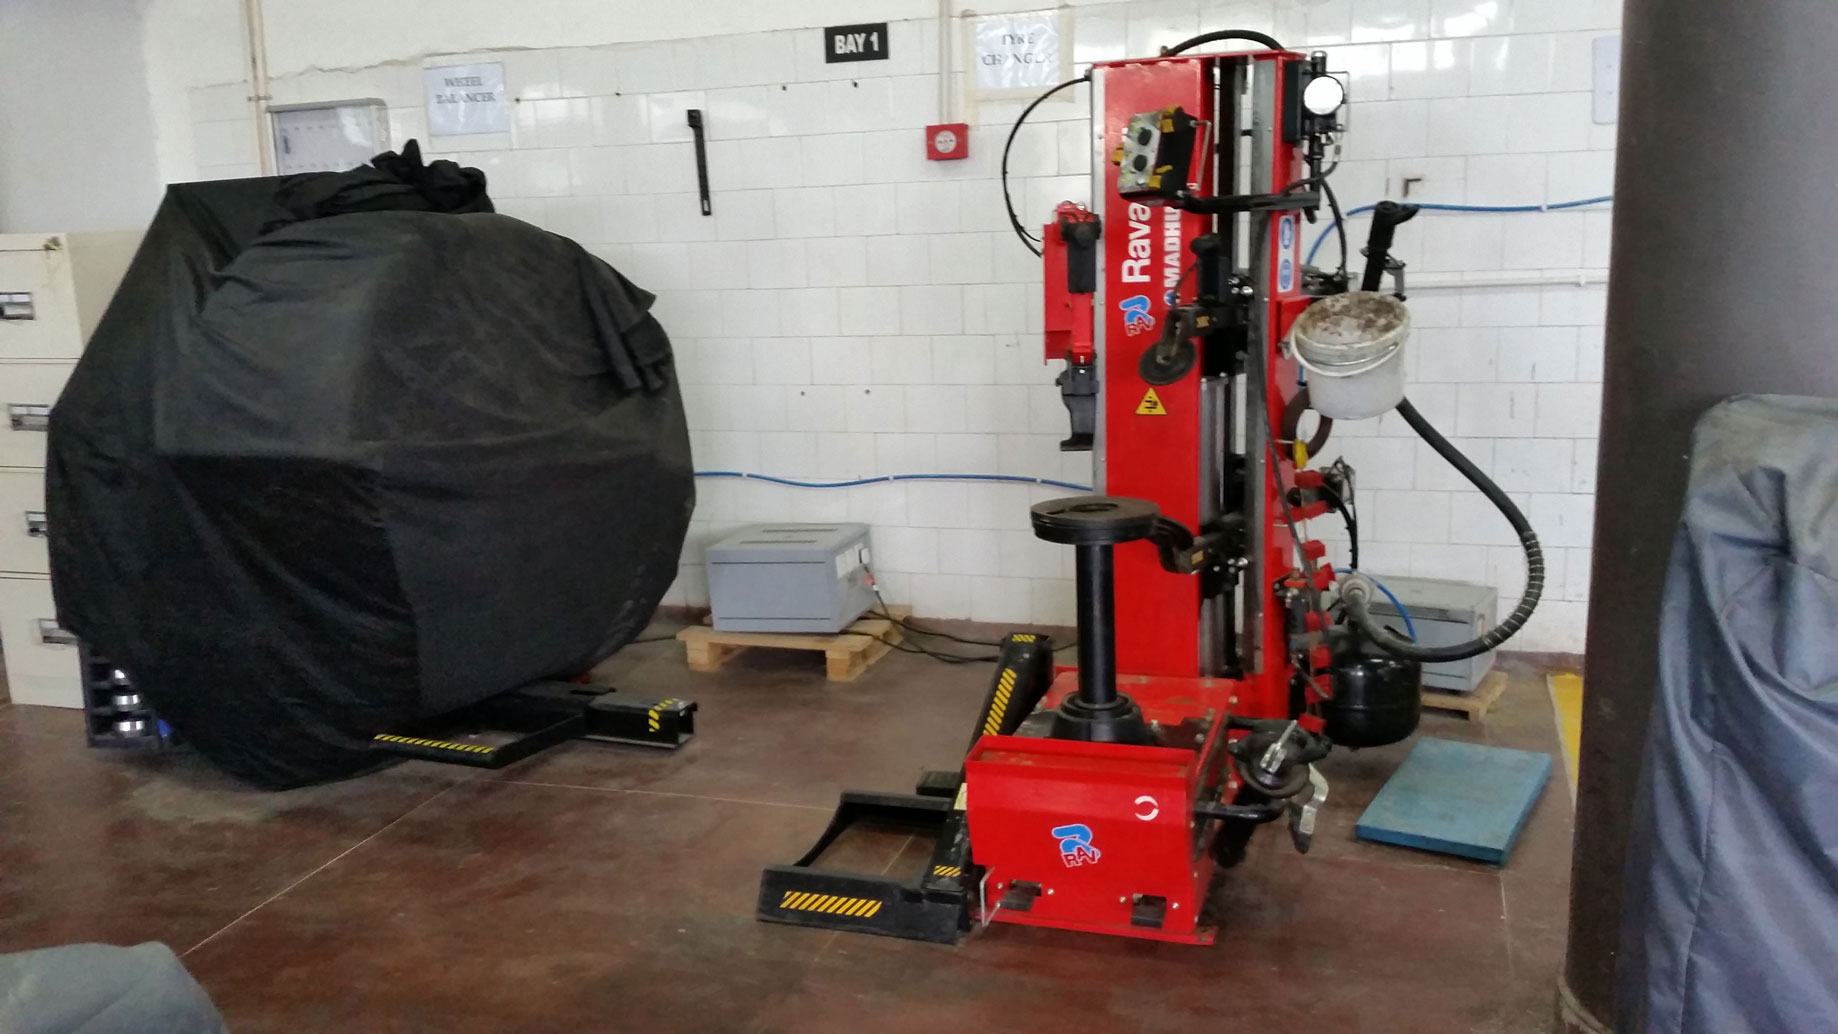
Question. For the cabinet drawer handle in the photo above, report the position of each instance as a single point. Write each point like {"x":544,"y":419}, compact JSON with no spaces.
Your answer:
{"x":53,"y":634}
{"x":28,"y":417}
{"x":17,"y":305}
{"x":35,"y":524}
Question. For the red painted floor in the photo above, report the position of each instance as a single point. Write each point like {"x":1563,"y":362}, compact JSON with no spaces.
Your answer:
{"x":599,"y":888}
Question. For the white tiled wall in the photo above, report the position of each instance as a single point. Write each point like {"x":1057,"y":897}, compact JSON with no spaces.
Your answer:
{"x":851,"y":309}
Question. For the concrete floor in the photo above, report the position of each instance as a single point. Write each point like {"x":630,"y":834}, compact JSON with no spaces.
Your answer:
{"x":598,"y":888}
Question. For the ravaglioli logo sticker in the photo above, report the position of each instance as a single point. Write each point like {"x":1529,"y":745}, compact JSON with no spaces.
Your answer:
{"x":1075,"y":847}
{"x":1142,"y":245}
{"x":1136,"y":318}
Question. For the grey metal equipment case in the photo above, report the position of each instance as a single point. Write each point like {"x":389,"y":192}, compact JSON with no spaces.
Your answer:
{"x":1444,"y":613}
{"x":790,"y":578}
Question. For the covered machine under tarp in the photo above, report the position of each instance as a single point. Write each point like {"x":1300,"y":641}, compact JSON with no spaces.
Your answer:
{"x":348,"y":450}
{"x":1731,"y":922}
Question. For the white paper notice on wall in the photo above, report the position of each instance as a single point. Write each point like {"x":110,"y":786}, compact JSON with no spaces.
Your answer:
{"x":464,"y":99}
{"x":1018,"y":52}
{"x":1606,"y":101}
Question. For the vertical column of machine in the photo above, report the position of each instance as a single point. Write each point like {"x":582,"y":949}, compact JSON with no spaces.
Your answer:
{"x":1097,"y":588}
{"x":1213,"y":276}
{"x":1152,"y":434}
{"x":1101,"y":298}
{"x":1257,"y":472}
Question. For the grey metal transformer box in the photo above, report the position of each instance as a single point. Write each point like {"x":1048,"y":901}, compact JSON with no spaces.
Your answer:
{"x":790,"y":578}
{"x":1444,"y":613}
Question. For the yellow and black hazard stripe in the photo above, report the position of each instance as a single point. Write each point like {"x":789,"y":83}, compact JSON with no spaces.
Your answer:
{"x":830,"y":904}
{"x":947,"y":870}
{"x":651,"y":716}
{"x":468,"y":748}
{"x":998,"y":704}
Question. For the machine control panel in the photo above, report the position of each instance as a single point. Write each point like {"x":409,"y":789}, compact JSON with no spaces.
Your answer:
{"x":1156,"y":153}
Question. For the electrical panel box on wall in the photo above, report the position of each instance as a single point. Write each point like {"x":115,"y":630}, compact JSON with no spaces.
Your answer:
{"x":328,"y":137}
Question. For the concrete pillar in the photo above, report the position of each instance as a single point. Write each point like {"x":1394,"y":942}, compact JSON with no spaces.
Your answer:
{"x":1726,"y":221}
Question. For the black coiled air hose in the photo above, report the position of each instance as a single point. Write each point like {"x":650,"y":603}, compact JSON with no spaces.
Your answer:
{"x":1356,"y":593}
{"x":1249,"y":35}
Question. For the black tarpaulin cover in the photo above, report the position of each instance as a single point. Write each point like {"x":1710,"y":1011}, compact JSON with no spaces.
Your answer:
{"x":1731,"y":919}
{"x":349,"y":450}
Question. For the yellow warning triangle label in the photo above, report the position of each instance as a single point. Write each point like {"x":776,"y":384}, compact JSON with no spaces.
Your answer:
{"x":1151,"y":405}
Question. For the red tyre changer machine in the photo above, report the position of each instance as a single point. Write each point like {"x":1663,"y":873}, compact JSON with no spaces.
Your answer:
{"x":1210,"y":676}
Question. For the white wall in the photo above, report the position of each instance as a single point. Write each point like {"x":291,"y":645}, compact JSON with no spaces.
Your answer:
{"x":852,"y":309}
{"x":192,"y":43}
{"x":76,"y":140}
{"x":307,"y":35}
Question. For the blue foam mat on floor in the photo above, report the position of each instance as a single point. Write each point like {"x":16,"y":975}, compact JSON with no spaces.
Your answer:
{"x":1457,"y":798}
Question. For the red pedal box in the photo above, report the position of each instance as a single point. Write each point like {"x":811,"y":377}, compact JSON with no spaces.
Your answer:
{"x":946,"y":142}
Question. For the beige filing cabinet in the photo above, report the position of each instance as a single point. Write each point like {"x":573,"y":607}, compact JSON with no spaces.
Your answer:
{"x":53,"y":290}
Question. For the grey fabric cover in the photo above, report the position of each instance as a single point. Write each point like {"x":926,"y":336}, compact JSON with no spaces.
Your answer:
{"x":103,"y":989}
{"x":1731,"y":921}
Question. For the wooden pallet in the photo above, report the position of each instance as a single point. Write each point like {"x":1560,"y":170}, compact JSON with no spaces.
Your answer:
{"x":845,"y":656}
{"x":1473,"y":705}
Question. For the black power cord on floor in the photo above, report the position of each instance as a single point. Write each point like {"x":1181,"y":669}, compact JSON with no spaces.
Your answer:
{"x":886,"y":613}
{"x":907,"y":626}
{"x":913,"y":646}
{"x":903,"y":647}
{"x":916,"y":647}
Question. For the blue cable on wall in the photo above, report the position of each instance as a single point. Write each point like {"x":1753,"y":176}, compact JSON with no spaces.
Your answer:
{"x":1410,"y":629}
{"x":1437,"y":207}
{"x":851,"y":483}
{"x":1073,"y":486}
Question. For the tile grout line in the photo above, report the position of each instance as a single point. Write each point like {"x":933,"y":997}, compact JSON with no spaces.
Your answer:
{"x":322,"y":867}
{"x":1383,"y":860}
{"x":897,"y":852}
{"x":904,"y":844}
{"x":655,"y":793}
{"x":833,"y":934}
{"x":1506,"y":934}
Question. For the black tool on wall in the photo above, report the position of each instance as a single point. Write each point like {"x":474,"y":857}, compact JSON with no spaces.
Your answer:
{"x":695,"y":126}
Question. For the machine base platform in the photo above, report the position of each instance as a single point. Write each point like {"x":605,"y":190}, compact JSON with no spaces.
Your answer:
{"x":1105,"y":837}
{"x":931,"y":907}
{"x":512,"y":726}
{"x":934,"y":905}
{"x":1203,"y":935}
